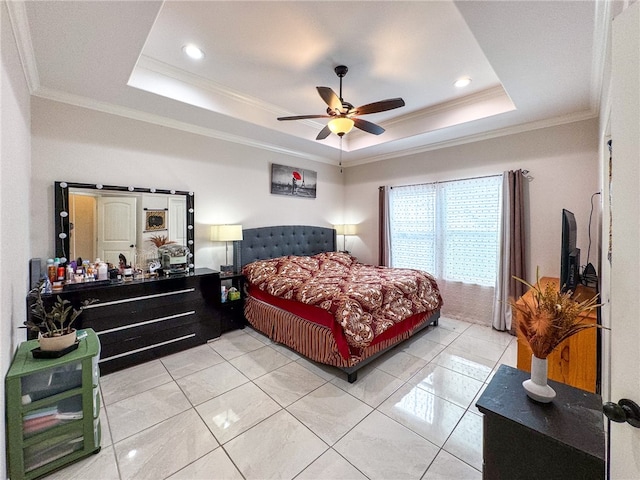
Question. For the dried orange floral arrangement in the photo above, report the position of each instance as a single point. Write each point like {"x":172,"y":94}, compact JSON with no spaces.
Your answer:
{"x":159,"y":240}
{"x":551,"y":317}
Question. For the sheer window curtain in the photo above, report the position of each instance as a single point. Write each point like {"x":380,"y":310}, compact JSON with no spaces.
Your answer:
{"x":481,"y":297}
{"x":450,"y":229}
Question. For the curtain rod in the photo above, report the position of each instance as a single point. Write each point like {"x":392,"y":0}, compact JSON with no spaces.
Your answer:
{"x":524,"y":173}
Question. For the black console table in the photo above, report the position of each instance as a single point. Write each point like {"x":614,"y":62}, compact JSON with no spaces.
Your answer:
{"x":524,"y":439}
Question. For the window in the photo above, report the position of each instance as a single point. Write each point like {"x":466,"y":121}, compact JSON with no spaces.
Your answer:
{"x":450,"y":229}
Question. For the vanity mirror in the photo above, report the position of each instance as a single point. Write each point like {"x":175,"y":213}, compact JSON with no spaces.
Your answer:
{"x":104,"y":221}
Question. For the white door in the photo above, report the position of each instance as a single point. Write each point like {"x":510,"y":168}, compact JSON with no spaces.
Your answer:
{"x":116,"y":229}
{"x":625,"y":212}
{"x":177,"y":225}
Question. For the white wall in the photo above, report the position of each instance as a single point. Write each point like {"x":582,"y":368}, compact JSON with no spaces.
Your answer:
{"x":625,"y":212}
{"x":563,"y":164}
{"x":14,"y":201}
{"x":231,"y":182}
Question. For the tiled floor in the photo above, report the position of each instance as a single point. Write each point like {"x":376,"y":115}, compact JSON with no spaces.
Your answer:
{"x":243,"y":407}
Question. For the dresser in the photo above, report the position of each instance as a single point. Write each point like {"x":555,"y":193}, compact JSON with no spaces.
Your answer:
{"x":527,"y":440}
{"x":141,"y":320}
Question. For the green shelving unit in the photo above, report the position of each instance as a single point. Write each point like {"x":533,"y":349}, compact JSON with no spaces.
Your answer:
{"x":52,"y":408}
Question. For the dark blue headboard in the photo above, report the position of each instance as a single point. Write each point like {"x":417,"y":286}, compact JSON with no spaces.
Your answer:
{"x":272,"y":242}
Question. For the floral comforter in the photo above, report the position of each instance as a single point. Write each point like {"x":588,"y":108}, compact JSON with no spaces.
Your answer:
{"x":364,"y":299}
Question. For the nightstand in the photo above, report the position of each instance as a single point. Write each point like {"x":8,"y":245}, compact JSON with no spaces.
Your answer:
{"x":523,"y":439}
{"x":231,"y":311}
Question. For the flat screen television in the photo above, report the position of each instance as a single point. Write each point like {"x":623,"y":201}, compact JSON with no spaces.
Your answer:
{"x":570,"y":254}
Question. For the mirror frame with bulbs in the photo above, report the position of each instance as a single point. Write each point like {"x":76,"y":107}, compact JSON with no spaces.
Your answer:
{"x":61,"y":220}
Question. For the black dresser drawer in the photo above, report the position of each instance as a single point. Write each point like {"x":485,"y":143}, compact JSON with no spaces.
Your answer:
{"x":142,"y":320}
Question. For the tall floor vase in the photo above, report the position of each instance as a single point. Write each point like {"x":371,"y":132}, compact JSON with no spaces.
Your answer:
{"x":537,"y":387}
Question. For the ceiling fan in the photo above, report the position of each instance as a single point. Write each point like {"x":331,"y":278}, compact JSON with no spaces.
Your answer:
{"x":344,"y":116}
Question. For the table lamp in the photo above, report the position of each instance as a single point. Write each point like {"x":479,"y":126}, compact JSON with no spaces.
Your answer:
{"x":344,"y":230}
{"x":226,"y":233}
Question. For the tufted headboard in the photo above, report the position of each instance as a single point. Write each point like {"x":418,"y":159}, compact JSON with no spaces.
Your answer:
{"x":271,"y":242}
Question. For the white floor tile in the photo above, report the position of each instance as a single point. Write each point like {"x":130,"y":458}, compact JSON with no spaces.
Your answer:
{"x":447,"y":384}
{"x":234,"y":412}
{"x":400,"y":364}
{"x":372,"y":387}
{"x":289,"y":383}
{"x":136,"y":413}
{"x":428,"y":415}
{"x":125,"y":383}
{"x":448,"y":467}
{"x":164,"y":449}
{"x":329,"y":412}
{"x":465,"y":442}
{"x":258,"y":362}
{"x":440,"y":335}
{"x":234,"y":344}
{"x":331,"y":466}
{"x":213,"y":465}
{"x":211,"y":382}
{"x":466,"y":363}
{"x":476,"y":346}
{"x":382,"y":449}
{"x":279,"y":447}
{"x":484,"y":332}
{"x":189,"y":361}
{"x":453,"y":324}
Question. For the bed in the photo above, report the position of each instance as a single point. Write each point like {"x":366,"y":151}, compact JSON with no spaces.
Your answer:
{"x":342,"y":322}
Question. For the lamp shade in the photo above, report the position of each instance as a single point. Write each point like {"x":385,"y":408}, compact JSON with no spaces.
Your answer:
{"x":340,"y":125}
{"x":226,"y":233}
{"x":348,"y":229}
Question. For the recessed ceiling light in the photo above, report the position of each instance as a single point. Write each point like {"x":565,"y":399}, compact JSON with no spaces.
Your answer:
{"x":462,"y":82}
{"x":192,"y":51}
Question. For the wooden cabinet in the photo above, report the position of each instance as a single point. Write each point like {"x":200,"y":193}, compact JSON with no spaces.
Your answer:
{"x":574,"y":361}
{"x":52,"y":408}
{"x":141,"y":320}
{"x":527,"y":440}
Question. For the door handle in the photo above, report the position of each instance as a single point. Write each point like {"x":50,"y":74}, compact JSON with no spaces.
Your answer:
{"x":624,"y":411}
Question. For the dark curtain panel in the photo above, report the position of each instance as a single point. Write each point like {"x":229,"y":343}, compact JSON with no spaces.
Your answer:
{"x":517,"y":263}
{"x":382,"y":244}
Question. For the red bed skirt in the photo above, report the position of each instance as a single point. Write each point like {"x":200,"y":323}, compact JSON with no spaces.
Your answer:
{"x":313,"y":332}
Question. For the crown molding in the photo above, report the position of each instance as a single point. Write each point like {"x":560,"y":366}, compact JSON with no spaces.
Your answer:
{"x":601,"y":39}
{"x":501,"y":132}
{"x":133,"y":114}
{"x":22,"y":33}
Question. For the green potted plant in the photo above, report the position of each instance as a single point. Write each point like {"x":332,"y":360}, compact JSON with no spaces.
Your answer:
{"x":53,"y":324}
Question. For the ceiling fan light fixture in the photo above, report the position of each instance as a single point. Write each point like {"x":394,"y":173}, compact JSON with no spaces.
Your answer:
{"x":341,"y":125}
{"x":192,"y":51}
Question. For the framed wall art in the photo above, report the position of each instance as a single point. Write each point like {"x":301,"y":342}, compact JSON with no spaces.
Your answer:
{"x":155,"y":220}
{"x":293,"y":181}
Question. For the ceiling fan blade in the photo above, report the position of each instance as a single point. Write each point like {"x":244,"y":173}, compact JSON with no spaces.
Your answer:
{"x":324,"y":133}
{"x":367,"y":126}
{"x":381,"y":106}
{"x":330,"y":98}
{"x":302,"y":117}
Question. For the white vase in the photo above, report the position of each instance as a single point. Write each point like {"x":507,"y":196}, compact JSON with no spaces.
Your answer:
{"x":55,"y":344}
{"x":537,"y":387}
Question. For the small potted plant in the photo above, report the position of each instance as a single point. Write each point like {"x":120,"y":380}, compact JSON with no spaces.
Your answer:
{"x":53,"y":324}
